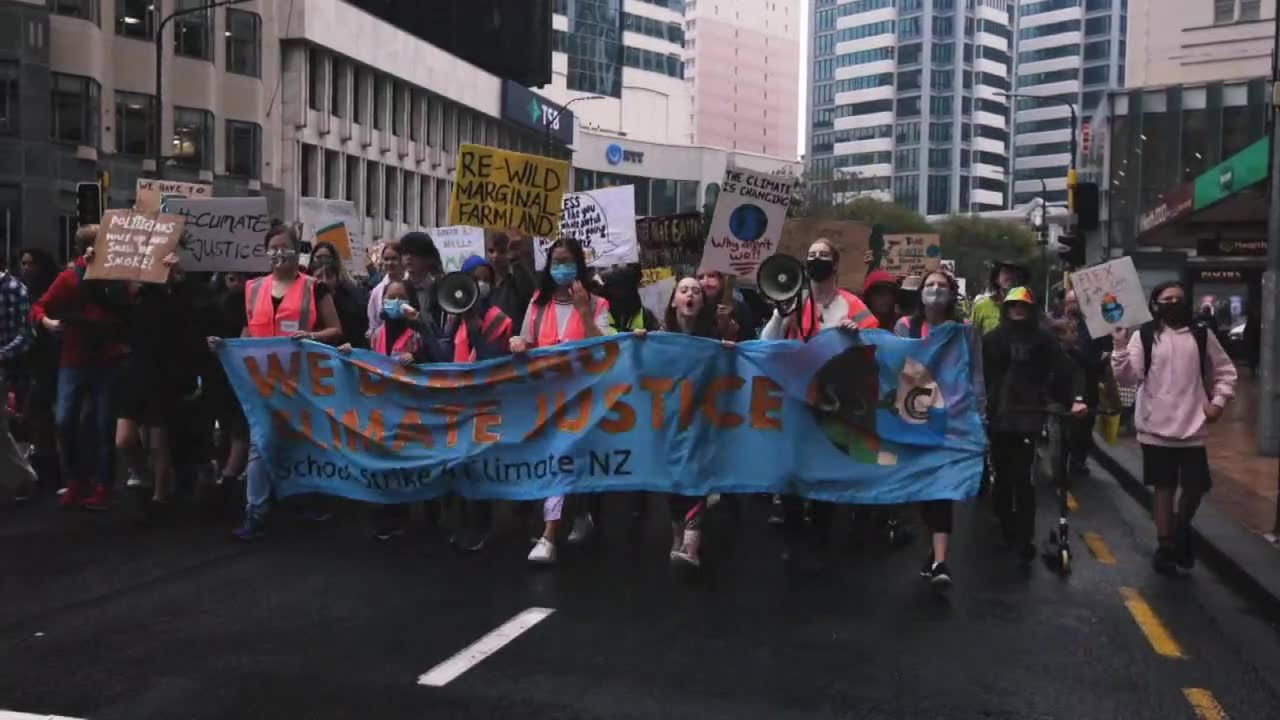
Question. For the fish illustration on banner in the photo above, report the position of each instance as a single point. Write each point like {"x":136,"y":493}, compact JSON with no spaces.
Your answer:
{"x":747,"y":225}
{"x":856,"y":418}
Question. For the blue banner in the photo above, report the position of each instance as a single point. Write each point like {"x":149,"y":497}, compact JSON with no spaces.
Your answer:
{"x":853,"y":418}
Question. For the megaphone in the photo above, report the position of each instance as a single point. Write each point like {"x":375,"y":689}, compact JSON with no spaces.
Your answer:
{"x":780,"y":278}
{"x":456,"y":292}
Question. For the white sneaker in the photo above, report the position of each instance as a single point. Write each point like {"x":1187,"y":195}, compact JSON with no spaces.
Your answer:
{"x":677,"y":539}
{"x":136,"y":480}
{"x":583,"y":526}
{"x":543,"y":552}
{"x":688,"y":553}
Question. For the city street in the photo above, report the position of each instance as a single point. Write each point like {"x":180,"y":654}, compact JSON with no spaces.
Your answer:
{"x":101,"y":619}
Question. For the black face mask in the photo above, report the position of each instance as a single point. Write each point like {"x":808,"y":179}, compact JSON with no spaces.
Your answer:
{"x":1174,"y":314}
{"x":820,"y":269}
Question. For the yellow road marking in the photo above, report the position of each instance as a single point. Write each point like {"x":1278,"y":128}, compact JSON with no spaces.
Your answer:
{"x":1157,"y":634}
{"x":1099,"y":548}
{"x":1072,"y":505}
{"x":1205,"y":705}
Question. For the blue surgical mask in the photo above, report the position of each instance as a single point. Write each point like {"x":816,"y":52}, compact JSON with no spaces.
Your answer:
{"x":564,"y":273}
{"x":393,"y":309}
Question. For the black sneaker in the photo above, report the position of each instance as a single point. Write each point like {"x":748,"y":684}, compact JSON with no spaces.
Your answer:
{"x":1164,"y":560}
{"x":472,"y":541}
{"x":940,"y":576}
{"x":926,"y":570}
{"x":1184,"y":556}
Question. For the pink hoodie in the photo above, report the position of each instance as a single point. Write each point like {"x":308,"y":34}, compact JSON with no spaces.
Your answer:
{"x":1172,"y":399}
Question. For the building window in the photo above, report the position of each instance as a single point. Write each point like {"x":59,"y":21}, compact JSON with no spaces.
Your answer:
{"x":193,"y":138}
{"x":1227,"y":11}
{"x":244,"y":149}
{"x":397,"y":109}
{"x":8,"y":97}
{"x":83,"y":9}
{"x":135,"y":135}
{"x":193,"y":32}
{"x":380,"y":89}
{"x":594,"y":47}
{"x":389,"y":193}
{"x":357,"y":95}
{"x":244,"y":43}
{"x":315,"y":71}
{"x":77,"y":105}
{"x":371,"y":174}
{"x":136,"y":19}
{"x":338,"y":88}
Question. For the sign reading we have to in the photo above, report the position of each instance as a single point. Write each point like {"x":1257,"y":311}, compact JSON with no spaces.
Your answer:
{"x":499,"y":189}
{"x":663,"y":413}
{"x":910,"y":255}
{"x":132,"y":245}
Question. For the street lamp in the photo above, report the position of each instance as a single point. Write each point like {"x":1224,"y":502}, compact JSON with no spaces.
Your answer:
{"x":552,"y":119}
{"x":158,"y":153}
{"x":1071,"y":174}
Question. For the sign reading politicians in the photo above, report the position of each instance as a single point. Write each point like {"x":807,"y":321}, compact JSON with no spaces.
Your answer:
{"x":499,"y":189}
{"x":662,"y":413}
{"x":132,"y":245}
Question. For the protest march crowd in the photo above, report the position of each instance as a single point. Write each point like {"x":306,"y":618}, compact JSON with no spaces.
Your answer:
{"x":97,"y":371}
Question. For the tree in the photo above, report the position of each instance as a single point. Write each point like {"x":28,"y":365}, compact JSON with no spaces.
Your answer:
{"x":891,"y":217}
{"x":975,"y":243}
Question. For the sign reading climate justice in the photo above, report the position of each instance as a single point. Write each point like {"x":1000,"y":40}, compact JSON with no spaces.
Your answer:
{"x":499,"y":189}
{"x":662,"y":413}
{"x":223,"y":234}
{"x":747,"y":225}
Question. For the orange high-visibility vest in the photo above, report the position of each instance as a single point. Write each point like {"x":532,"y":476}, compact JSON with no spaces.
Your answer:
{"x":548,"y":329}
{"x":493,"y":327}
{"x":296,"y":312}
{"x":406,"y":343}
{"x":858,"y":313}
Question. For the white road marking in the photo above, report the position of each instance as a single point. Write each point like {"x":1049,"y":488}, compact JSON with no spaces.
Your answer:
{"x":476,"y":652}
{"x":11,"y":715}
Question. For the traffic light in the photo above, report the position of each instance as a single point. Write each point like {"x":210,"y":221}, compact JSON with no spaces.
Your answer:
{"x":1087,"y":206}
{"x":88,"y":203}
{"x":1072,"y":252}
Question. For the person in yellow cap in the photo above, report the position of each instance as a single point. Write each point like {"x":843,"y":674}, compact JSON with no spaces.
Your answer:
{"x":1026,"y":370}
{"x":1005,"y":275}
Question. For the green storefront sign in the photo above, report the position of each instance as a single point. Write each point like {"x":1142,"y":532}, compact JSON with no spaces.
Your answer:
{"x":1236,"y":173}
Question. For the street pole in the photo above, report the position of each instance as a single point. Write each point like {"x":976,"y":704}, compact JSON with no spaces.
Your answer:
{"x":553,"y":119}
{"x":158,"y":117}
{"x":1269,"y":407}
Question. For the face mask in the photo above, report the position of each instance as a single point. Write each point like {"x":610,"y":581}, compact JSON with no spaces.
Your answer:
{"x":820,"y":268}
{"x":563,"y":274}
{"x":282,"y":257}
{"x":483,"y":289}
{"x":935,"y":296}
{"x":1176,"y":314}
{"x":392,"y":309}
{"x":323,"y":260}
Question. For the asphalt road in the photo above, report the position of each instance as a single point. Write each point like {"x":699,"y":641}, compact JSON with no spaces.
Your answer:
{"x":102,"y":619}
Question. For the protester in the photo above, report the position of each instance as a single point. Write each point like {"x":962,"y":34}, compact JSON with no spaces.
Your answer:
{"x":1088,"y":353}
{"x":734,"y":319}
{"x":392,"y":269}
{"x":229,"y":321}
{"x":833,"y":307}
{"x":285,"y":303}
{"x":17,"y":478}
{"x":622,"y":290}
{"x":1005,"y":275}
{"x":1186,"y":380}
{"x":39,"y":374}
{"x":350,"y":306}
{"x":87,"y":315}
{"x":513,"y":282}
{"x":688,"y":313}
{"x":880,"y":293}
{"x":422,"y":268}
{"x":1023,"y":366}
{"x":938,"y":305}
{"x":567,"y":307}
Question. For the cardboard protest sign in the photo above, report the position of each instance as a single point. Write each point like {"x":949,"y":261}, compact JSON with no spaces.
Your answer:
{"x":1111,"y":296}
{"x":851,"y":239}
{"x":673,"y":241}
{"x":337,"y":222}
{"x":604,"y":222}
{"x":911,"y":254}
{"x":747,"y":225}
{"x":149,"y":194}
{"x":456,"y":243}
{"x":132,"y":245}
{"x":499,"y":189}
{"x":224,"y":234}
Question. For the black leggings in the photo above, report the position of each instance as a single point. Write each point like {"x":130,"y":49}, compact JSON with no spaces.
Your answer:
{"x":793,"y":520}
{"x":937,"y":515}
{"x":1012,"y":454}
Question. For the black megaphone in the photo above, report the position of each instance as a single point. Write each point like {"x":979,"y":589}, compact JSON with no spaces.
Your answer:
{"x":457,"y":293}
{"x":780,"y":278}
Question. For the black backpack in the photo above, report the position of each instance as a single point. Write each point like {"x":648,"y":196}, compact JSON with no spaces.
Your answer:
{"x":1199,"y":331}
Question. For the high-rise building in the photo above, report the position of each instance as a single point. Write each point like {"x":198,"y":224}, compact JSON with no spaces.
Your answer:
{"x":742,"y":62}
{"x":1176,"y":42}
{"x":905,"y":102}
{"x":1066,"y":51}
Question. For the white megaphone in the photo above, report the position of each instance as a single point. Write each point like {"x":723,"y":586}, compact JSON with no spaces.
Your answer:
{"x":780,"y":278}
{"x":457,"y":293}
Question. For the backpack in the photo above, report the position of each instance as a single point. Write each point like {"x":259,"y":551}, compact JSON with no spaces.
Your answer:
{"x":1147,"y":333}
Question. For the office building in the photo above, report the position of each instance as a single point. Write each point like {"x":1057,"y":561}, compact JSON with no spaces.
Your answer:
{"x":742,"y":62}
{"x":905,"y":102}
{"x":1194,"y":41}
{"x":1065,"y":51}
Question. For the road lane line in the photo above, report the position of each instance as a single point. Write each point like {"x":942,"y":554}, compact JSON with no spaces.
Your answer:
{"x":476,"y":652}
{"x":12,"y":715}
{"x":1204,"y":704}
{"x":1157,"y":634}
{"x":1072,"y":504}
{"x":1099,"y":548}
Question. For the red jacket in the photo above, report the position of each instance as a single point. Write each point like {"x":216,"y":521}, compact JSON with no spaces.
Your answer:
{"x":88,"y":339}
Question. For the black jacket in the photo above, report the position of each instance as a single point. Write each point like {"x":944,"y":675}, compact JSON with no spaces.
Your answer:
{"x":1026,"y":371}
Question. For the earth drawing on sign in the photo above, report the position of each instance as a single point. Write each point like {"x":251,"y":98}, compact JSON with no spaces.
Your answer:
{"x":1112,"y":310}
{"x":748,"y":223}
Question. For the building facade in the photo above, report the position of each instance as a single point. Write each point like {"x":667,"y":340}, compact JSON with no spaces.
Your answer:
{"x":742,"y":63}
{"x":1190,"y":41}
{"x":905,"y":102}
{"x":1068,"y":51}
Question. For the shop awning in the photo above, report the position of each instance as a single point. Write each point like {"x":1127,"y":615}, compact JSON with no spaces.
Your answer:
{"x":1227,"y":192}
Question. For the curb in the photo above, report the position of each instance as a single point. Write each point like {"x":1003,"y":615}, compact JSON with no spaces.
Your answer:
{"x":1244,"y":559}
